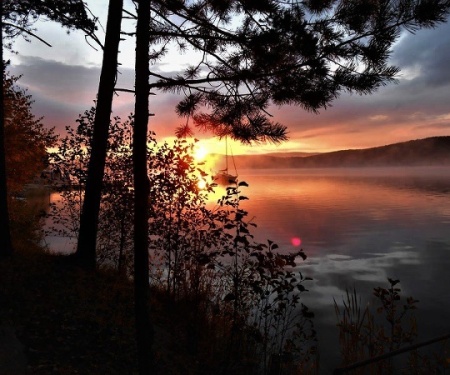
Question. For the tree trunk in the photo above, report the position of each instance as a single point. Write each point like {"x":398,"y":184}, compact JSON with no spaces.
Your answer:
{"x":144,"y":331}
{"x":5,"y":232}
{"x":86,"y":249}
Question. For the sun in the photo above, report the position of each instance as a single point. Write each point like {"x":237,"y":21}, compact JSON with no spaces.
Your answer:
{"x":201,"y":184}
{"x":200,"y":152}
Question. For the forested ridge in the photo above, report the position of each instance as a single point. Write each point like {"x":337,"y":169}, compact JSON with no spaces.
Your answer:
{"x":420,"y":152}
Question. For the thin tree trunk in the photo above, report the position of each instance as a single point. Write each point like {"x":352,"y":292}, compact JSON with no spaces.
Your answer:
{"x":86,"y":249}
{"x":5,"y":231}
{"x":144,"y":331}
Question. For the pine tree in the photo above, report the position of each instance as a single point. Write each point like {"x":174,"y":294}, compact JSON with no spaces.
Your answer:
{"x":252,"y":54}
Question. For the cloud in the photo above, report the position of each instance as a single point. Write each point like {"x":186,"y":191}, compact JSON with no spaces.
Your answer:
{"x":416,"y":107}
{"x":57,"y":81}
{"x":427,"y":53}
{"x":61,"y":92}
{"x":378,"y":118}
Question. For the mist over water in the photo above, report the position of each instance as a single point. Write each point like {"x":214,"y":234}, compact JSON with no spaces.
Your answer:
{"x":358,"y":227}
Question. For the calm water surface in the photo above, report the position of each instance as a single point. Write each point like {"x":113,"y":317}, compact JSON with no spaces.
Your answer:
{"x":359,"y":227}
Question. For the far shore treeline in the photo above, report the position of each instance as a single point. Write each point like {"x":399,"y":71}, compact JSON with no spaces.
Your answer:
{"x":433,"y":151}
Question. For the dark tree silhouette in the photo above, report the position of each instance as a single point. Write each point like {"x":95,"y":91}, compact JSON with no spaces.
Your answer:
{"x":5,"y":232}
{"x":86,"y":247}
{"x":17,"y":17}
{"x":252,"y":54}
{"x":144,"y":333}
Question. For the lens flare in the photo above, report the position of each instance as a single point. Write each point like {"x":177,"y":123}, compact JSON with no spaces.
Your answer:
{"x":296,"y":241}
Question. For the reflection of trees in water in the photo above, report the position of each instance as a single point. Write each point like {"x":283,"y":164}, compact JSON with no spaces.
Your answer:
{"x":376,"y":247}
{"x":437,"y":182}
{"x":360,"y":228}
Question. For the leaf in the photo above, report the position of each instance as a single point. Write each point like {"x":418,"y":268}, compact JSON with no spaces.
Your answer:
{"x":229,"y":297}
{"x":302,"y":255}
{"x":301,"y":288}
{"x":280,"y":262}
{"x":393,"y":282}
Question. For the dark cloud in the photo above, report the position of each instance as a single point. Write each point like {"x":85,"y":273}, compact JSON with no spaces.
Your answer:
{"x":422,"y":93}
{"x":428,"y":53}
{"x":61,"y":92}
{"x":56,"y":80}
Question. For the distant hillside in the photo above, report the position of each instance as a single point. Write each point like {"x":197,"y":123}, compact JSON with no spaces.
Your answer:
{"x":283,"y":154}
{"x":428,"y":151}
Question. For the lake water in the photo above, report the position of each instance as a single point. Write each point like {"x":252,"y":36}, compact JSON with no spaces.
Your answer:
{"x":359,"y":227}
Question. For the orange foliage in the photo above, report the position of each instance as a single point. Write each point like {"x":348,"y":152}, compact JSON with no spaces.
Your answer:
{"x":26,"y":139}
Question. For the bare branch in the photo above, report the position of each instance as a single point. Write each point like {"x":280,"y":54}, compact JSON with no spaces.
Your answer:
{"x":27,"y":32}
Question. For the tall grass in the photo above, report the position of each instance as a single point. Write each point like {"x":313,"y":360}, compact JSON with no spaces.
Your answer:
{"x":365,"y":333}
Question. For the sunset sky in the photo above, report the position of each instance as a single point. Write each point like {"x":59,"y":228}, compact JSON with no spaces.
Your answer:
{"x":63,"y":81}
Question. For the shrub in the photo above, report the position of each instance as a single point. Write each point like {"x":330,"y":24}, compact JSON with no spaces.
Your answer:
{"x":243,"y":294}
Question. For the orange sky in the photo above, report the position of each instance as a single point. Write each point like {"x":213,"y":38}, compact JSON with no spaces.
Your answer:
{"x":63,"y":81}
